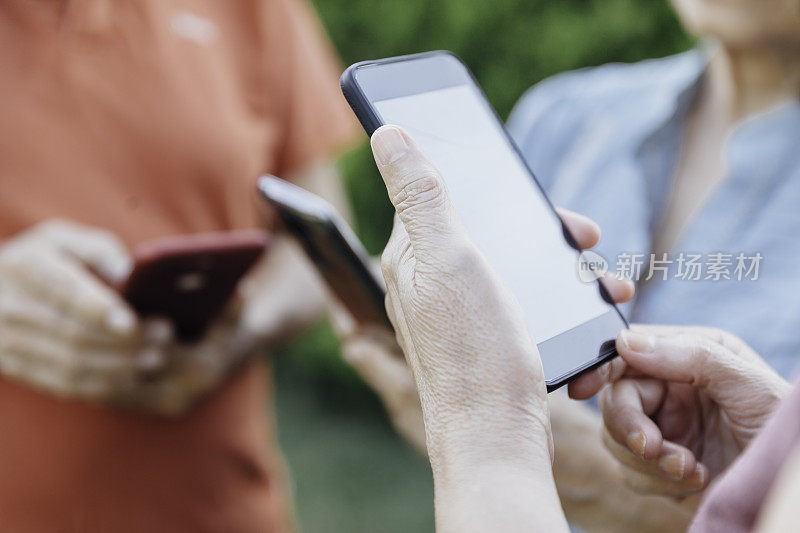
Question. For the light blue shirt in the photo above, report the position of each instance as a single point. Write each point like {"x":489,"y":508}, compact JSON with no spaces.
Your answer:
{"x":605,"y":142}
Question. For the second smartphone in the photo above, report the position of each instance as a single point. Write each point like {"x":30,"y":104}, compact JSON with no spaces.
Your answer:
{"x":332,"y":247}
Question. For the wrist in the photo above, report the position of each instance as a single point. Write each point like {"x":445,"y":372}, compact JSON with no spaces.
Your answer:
{"x":469,"y":443}
{"x":505,"y":493}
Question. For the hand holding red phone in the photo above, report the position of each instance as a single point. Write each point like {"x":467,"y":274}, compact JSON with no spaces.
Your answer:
{"x":64,"y":329}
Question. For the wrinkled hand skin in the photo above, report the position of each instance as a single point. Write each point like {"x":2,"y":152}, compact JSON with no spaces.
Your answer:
{"x":374,"y":352}
{"x":681,"y":404}
{"x":464,"y":336}
{"x":475,"y":368}
{"x":66,"y":332}
{"x":474,"y":362}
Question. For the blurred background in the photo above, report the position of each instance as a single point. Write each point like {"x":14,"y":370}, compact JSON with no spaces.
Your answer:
{"x":349,"y":471}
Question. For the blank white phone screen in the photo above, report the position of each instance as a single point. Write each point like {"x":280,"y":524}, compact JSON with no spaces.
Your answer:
{"x":502,"y":208}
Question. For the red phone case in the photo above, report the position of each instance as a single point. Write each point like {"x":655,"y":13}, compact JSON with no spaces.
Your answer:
{"x":190,"y":279}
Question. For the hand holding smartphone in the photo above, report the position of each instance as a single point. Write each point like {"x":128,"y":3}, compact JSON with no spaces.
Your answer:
{"x":434,"y":97}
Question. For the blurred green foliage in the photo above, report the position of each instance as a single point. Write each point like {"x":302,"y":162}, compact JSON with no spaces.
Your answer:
{"x":351,"y":473}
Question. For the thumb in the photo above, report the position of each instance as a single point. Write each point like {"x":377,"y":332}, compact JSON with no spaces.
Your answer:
{"x":416,"y":189}
{"x":687,"y":357}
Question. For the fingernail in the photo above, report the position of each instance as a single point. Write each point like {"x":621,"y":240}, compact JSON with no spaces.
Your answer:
{"x":698,"y":478}
{"x":120,"y":321}
{"x":636,"y":342}
{"x":389,"y":145}
{"x":673,"y":465}
{"x":637,"y":442}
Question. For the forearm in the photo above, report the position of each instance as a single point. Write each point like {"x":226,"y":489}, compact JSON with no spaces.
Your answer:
{"x":507,"y":496}
{"x":490,"y":479}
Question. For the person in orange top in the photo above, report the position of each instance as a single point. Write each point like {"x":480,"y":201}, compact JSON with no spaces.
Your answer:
{"x":125,"y":121}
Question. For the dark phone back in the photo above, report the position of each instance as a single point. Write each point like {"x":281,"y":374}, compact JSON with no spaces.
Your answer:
{"x":190,"y":279}
{"x":333,"y":248}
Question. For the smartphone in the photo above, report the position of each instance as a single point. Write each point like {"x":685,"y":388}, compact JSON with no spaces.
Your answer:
{"x":190,"y":279}
{"x":332,"y":247}
{"x":506,"y":212}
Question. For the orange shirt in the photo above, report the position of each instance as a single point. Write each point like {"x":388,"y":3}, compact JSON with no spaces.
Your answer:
{"x":152,"y":118}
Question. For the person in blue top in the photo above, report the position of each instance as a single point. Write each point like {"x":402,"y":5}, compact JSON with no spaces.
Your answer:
{"x":671,"y":157}
{"x":690,"y":156}
{"x":691,"y":165}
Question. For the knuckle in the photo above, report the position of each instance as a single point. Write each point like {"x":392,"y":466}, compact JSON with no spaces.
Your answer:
{"x":723,"y":338}
{"x":425,"y":189}
{"x":464,"y":253}
{"x":616,"y":407}
{"x":702,"y":352}
{"x":729,"y":342}
{"x":637,"y":481}
{"x":701,"y":347}
{"x":715,"y":335}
